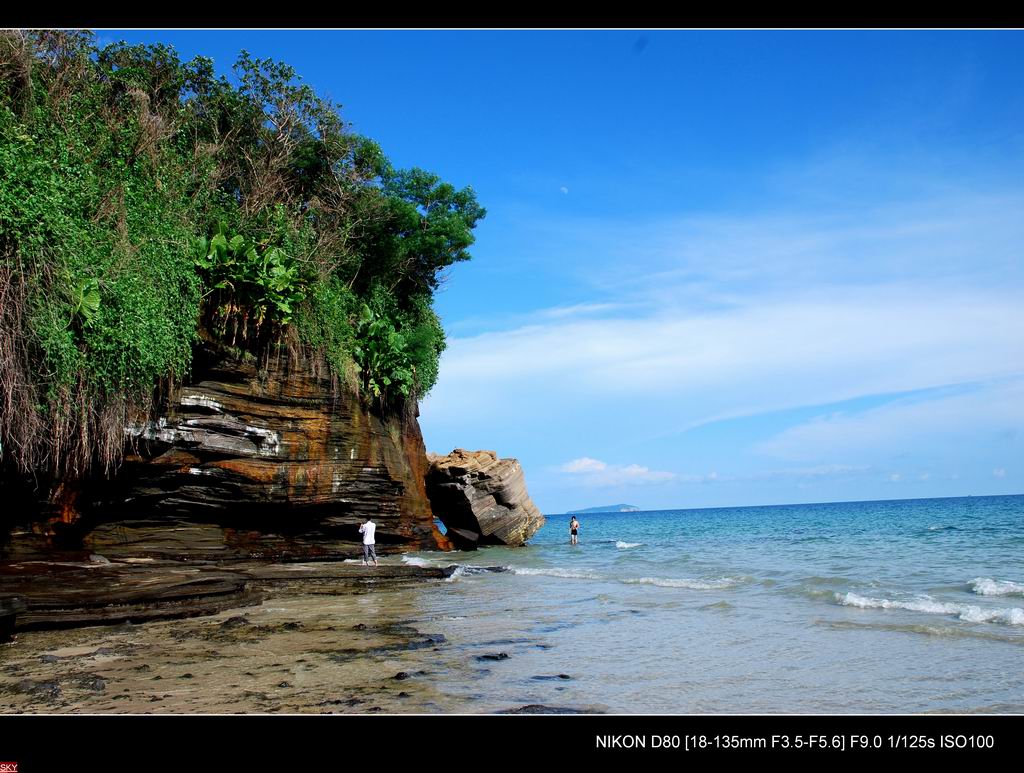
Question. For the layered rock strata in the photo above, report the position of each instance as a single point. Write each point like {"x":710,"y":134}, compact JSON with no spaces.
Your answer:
{"x":481,"y":499}
{"x":246,"y":460}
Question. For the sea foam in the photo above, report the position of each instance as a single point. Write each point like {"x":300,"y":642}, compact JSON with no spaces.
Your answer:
{"x":669,"y":582}
{"x":461,"y":570}
{"x":985,"y":586}
{"x":661,"y":582}
{"x":970,"y":613}
{"x":556,"y":572}
{"x":416,"y":561}
{"x":627,"y":545}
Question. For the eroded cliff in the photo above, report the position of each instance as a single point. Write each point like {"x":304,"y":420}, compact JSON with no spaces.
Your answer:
{"x":248,"y":460}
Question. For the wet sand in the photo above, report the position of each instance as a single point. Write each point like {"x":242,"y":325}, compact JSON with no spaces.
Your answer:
{"x":315,"y":645}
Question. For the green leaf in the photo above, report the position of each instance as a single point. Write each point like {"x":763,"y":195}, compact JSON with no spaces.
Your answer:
{"x":220,"y":244}
{"x":90,"y":303}
{"x":88,"y":291}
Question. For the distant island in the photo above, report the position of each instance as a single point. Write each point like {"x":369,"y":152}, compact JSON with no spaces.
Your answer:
{"x":609,"y":509}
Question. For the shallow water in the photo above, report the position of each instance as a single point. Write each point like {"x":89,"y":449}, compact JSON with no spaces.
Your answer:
{"x":902,"y":606}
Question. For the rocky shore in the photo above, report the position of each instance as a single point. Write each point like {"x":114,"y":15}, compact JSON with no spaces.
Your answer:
{"x":326,"y":637}
{"x":308,"y":637}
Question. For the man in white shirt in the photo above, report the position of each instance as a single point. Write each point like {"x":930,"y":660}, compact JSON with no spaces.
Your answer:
{"x":369,"y":546}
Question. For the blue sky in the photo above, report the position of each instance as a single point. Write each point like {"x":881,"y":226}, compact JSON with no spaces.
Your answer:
{"x":718,"y":268}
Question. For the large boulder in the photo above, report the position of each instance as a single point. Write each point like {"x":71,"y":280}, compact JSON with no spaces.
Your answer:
{"x":481,"y":499}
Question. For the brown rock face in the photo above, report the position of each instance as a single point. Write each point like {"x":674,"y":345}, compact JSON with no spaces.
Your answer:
{"x":482,"y":499}
{"x":270,"y":457}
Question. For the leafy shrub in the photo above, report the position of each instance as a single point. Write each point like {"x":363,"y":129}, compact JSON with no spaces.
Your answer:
{"x":253,"y":283}
{"x":397,"y":351}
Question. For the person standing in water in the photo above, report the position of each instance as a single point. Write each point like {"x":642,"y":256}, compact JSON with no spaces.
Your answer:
{"x":574,"y":527}
{"x":369,"y":544}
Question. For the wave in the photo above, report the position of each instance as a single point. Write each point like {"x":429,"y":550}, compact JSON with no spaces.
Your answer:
{"x":950,"y":631}
{"x":462,"y":570}
{"x":985,"y":586}
{"x":416,"y":561}
{"x":556,"y":572}
{"x":718,"y":606}
{"x":970,"y":613}
{"x":827,"y":579}
{"x":627,"y":545}
{"x":663,"y":582}
{"x":459,"y":572}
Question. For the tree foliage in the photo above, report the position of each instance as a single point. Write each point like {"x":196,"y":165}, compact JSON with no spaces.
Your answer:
{"x":145,"y":200}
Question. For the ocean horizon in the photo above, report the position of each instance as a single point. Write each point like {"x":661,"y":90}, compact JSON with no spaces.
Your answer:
{"x":640,"y":511}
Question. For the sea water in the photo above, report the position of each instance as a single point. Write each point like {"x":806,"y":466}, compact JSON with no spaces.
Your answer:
{"x":852,"y":607}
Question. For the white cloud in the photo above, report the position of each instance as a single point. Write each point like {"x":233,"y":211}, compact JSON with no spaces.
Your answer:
{"x":718,"y":258}
{"x":635,"y":473}
{"x":691,"y":368}
{"x":584,"y":464}
{"x":595,"y":473}
{"x":931,"y":421}
{"x":577,"y":310}
{"x":999,"y":472}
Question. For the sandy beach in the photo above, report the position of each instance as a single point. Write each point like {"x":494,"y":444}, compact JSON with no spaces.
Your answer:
{"x":337,"y":639}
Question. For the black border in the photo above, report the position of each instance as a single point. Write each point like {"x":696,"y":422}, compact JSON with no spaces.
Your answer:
{"x":302,"y":16}
{"x":313,"y":742}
